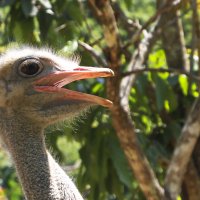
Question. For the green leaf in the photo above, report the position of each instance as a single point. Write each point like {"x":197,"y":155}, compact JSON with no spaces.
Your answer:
{"x":23,"y":30}
{"x":120,"y":163}
{"x":166,"y":105}
{"x":172,"y":99}
{"x":157,"y":59}
{"x":147,"y":122}
{"x":183,"y":81}
{"x":161,"y":90}
{"x":194,"y":89}
{"x":165,"y":96}
{"x":97,"y":88}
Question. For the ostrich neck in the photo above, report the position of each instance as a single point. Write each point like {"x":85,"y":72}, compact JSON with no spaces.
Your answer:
{"x":40,"y":175}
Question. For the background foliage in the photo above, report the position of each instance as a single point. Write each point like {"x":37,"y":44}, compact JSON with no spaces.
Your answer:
{"x":88,"y":148}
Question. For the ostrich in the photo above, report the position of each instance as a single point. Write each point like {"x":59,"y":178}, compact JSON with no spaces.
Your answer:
{"x":31,"y":98}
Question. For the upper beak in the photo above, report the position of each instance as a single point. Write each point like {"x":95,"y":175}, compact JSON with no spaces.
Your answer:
{"x":54,"y":82}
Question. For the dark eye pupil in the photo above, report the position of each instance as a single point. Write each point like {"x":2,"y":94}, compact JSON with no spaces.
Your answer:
{"x":30,"y":69}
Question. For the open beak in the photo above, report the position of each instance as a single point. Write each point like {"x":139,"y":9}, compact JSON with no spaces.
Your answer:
{"x":54,"y":82}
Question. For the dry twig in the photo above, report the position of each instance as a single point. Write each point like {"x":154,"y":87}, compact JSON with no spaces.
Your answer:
{"x":99,"y":59}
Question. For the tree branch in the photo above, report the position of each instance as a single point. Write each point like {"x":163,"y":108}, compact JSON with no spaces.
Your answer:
{"x":182,"y":153}
{"x":162,"y":70}
{"x":99,"y":59}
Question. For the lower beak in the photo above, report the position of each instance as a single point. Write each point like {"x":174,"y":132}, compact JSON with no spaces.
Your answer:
{"x":53,"y":83}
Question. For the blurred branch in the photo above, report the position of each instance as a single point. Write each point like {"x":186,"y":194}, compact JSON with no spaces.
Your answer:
{"x":182,"y":153}
{"x":163,"y":9}
{"x":93,"y":53}
{"x":162,"y":70}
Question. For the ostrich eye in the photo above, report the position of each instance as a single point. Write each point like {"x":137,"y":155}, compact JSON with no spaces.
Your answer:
{"x":30,"y":68}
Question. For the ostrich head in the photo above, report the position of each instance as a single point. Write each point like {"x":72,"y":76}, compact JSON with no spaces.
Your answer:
{"x":31,"y":85}
{"x":31,"y":97}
